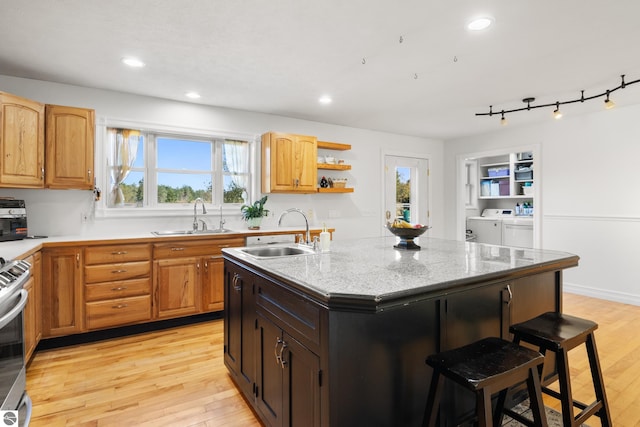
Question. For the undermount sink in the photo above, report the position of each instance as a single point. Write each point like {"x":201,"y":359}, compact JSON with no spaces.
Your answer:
{"x":189,"y":232}
{"x":277,"y":251}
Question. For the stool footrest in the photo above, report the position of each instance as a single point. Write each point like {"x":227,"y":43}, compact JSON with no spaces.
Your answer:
{"x":519,"y":418}
{"x":558,"y":396}
{"x":588,"y":412}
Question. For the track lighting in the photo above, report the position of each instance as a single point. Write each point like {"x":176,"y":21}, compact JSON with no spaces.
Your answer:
{"x":608,"y":103}
{"x":557,"y":114}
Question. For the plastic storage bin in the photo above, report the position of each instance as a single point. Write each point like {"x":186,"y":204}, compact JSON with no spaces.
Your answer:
{"x":524,"y":173}
{"x":498,"y":171}
{"x":504,"y":187}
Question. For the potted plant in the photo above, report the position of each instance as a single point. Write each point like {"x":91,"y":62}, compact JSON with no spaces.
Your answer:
{"x":254,"y":213}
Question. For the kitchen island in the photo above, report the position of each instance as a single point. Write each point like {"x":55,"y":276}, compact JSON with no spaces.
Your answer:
{"x":341,"y":338}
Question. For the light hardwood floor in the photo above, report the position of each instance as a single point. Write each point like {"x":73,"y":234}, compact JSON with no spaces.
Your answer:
{"x":176,"y":377}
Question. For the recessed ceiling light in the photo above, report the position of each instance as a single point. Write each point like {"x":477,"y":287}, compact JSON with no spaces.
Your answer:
{"x":192,"y":95}
{"x":133,"y":62}
{"x":480,"y":24}
{"x":325,"y":99}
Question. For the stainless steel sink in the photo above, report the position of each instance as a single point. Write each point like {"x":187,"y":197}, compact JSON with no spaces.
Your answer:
{"x":189,"y":232}
{"x":277,"y":251}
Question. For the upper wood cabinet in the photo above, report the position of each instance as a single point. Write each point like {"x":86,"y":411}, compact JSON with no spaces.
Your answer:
{"x":21,"y":142}
{"x":70,"y":139}
{"x":289,"y":163}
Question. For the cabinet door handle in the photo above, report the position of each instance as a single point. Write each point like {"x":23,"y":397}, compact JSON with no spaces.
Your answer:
{"x":206,"y":265}
{"x":510,"y":295}
{"x":89,"y":173}
{"x":282,"y":361}
{"x":119,"y":288}
{"x":42,"y":173}
{"x":118,"y":271}
{"x":119,"y":253}
{"x":277,"y":354}
{"x":119,"y":306}
{"x":177,"y":249}
{"x":78,"y":259}
{"x":236,"y":278}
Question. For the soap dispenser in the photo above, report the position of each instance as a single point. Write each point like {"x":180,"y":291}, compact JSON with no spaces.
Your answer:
{"x":325,"y":239}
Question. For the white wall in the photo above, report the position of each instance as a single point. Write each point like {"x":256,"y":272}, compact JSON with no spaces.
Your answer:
{"x":589,"y":195}
{"x":58,"y":212}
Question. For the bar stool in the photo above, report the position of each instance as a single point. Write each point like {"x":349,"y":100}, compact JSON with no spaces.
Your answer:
{"x":487,"y":367}
{"x":560,"y":333}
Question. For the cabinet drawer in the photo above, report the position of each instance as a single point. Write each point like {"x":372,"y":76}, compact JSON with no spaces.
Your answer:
{"x":120,"y":289}
{"x":118,"y":312}
{"x":291,"y":311}
{"x":201,"y":248}
{"x":115,"y":272}
{"x":116,"y":254}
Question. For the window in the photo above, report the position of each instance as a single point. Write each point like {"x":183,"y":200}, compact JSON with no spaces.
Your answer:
{"x":470,"y":187}
{"x":158,"y":170}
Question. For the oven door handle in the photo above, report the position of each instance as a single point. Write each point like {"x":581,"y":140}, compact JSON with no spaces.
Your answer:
{"x":15,"y":311}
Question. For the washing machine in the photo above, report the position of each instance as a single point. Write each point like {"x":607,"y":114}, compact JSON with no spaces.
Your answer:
{"x":487,"y":228}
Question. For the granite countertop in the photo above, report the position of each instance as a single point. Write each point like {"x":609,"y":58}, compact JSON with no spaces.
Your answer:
{"x":16,"y":249}
{"x":372,"y":271}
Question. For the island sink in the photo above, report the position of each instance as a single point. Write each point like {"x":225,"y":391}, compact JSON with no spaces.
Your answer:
{"x":277,"y":251}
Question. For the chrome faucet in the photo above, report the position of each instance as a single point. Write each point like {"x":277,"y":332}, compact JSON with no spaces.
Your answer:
{"x":195,"y":215}
{"x":307,"y":235}
{"x":222,"y":221}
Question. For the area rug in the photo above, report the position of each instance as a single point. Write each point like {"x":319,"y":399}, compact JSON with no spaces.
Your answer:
{"x":554,"y":418}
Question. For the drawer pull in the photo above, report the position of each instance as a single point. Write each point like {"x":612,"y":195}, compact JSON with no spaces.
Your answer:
{"x":177,"y":249}
{"x":119,"y":253}
{"x":119,"y":288}
{"x":119,"y":306}
{"x":118,"y":271}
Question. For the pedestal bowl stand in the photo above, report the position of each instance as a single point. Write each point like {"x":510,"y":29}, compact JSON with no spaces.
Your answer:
{"x":406,"y":236}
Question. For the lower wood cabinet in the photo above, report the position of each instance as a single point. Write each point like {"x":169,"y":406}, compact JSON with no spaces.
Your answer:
{"x":240,"y":326}
{"x":33,"y":309}
{"x":176,"y":284}
{"x":187,"y":276}
{"x":287,"y":378}
{"x":117,"y":285}
{"x":62,"y":301}
{"x":271,"y":339}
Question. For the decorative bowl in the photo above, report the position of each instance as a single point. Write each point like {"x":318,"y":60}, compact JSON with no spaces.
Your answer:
{"x":406,"y":236}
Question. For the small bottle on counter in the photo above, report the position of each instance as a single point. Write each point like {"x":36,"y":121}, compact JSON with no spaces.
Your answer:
{"x":325,"y":239}
{"x":518,"y":209}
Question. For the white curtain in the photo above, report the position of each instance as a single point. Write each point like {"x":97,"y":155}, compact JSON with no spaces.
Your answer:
{"x":123,"y":150}
{"x":235,"y":163}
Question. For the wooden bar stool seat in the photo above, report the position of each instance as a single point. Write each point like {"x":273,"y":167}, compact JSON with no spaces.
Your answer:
{"x":560,"y":333}
{"x":487,"y":367}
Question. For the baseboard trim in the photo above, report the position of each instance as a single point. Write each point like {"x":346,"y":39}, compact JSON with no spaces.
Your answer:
{"x":608,"y":295}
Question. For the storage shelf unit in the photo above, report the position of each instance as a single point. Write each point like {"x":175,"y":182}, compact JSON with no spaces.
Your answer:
{"x":498,"y":176}
{"x":334,"y":167}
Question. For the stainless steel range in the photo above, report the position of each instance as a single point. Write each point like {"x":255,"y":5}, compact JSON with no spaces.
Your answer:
{"x":16,"y":405}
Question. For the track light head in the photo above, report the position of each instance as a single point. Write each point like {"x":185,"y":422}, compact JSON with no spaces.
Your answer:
{"x":609,"y":104}
{"x":557,"y":114}
{"x":503,"y":121}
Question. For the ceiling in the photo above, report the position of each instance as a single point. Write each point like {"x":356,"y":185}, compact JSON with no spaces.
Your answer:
{"x":405,"y":66}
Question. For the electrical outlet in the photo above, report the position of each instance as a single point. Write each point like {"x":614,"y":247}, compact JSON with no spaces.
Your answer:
{"x":334,"y":213}
{"x":84,"y":217}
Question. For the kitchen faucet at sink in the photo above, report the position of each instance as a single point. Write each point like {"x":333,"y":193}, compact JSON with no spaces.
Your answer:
{"x":307,"y":235}
{"x":195,"y":215}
